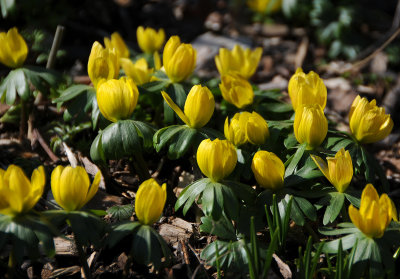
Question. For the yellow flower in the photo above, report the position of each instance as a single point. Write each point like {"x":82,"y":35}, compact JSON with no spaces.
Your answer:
{"x":199,"y":106}
{"x":150,"y":40}
{"x":117,"y":99}
{"x":262,"y":6}
{"x":149,"y":202}
{"x":138,"y":71}
{"x":375,"y":213}
{"x":268,"y":170}
{"x":216,"y":159}
{"x":307,"y":89}
{"x":71,"y":187}
{"x":368,"y":122}
{"x":246,"y":127}
{"x":13,"y":48}
{"x":238,"y":61}
{"x":103,"y":64}
{"x":17,"y":193}
{"x":179,"y":59}
{"x":339,"y":170}
{"x":118,"y":43}
{"x":310,"y":125}
{"x":236,"y":90}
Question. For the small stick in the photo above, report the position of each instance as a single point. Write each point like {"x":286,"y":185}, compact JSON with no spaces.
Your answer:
{"x":55,"y":47}
{"x":44,"y":145}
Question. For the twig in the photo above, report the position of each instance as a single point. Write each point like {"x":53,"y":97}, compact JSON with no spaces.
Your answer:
{"x":55,"y":46}
{"x":301,"y":53}
{"x":44,"y":145}
{"x":186,"y":257}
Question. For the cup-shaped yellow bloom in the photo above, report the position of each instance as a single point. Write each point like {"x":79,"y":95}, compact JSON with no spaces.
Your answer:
{"x":103,"y":63}
{"x":238,"y":61}
{"x":18,"y":194}
{"x":246,"y":127}
{"x":375,"y":213}
{"x":307,"y":89}
{"x":339,"y":170}
{"x":150,"y":40}
{"x":368,"y":122}
{"x":13,"y":48}
{"x":264,"y":6}
{"x":199,"y":106}
{"x":216,"y":159}
{"x":268,"y":170}
{"x":179,"y":59}
{"x":236,"y":90}
{"x":138,"y":71}
{"x":310,"y":125}
{"x":118,"y":44}
{"x":71,"y":187}
{"x":117,"y":98}
{"x":149,"y":202}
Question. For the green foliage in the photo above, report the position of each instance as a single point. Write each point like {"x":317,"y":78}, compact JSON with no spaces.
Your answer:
{"x":121,"y":212}
{"x":307,"y":262}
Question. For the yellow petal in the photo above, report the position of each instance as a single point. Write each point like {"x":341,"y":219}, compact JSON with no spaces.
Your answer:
{"x":175,"y":108}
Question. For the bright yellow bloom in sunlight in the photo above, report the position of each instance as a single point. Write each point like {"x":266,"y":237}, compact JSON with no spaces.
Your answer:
{"x":246,"y":127}
{"x":117,"y":98}
{"x":199,"y":106}
{"x":375,"y":213}
{"x":307,"y":89}
{"x":236,"y":90}
{"x":13,"y":48}
{"x":71,"y":187}
{"x":268,"y":170}
{"x":118,"y":43}
{"x":310,"y":125}
{"x":150,"y":40}
{"x":179,"y":59}
{"x":262,"y":6}
{"x":103,"y":64}
{"x":18,"y":194}
{"x":216,"y":159}
{"x":368,"y":122}
{"x":339,"y":170}
{"x":238,"y":61}
{"x":149,"y":202}
{"x":138,"y":71}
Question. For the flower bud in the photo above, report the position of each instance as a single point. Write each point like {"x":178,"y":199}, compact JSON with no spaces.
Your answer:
{"x":216,"y":159}
{"x":71,"y":187}
{"x":18,"y":194}
{"x":138,"y":71}
{"x":368,"y":122}
{"x":307,"y":89}
{"x":150,"y":40}
{"x":310,"y":125}
{"x":149,"y":202}
{"x":264,"y":6}
{"x":117,"y":98}
{"x":236,"y":90}
{"x":179,"y":59}
{"x":118,"y":44}
{"x":238,"y":61}
{"x":339,"y":170}
{"x":13,"y":48}
{"x":268,"y":170}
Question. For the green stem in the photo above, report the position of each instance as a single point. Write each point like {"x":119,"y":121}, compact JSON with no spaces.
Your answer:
{"x":140,"y":166}
{"x":11,"y":265}
{"x":82,"y":259}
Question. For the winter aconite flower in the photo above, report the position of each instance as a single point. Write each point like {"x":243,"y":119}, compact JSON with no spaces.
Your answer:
{"x":236,"y":90}
{"x":307,"y":89}
{"x":138,"y":71}
{"x":71,"y":187}
{"x":238,"y":61}
{"x":179,"y":59}
{"x":150,"y":40}
{"x":246,"y":127}
{"x":375,"y":213}
{"x":264,"y":6}
{"x":13,"y":48}
{"x":18,"y":194}
{"x":310,"y":125}
{"x":216,"y":159}
{"x":199,"y":106}
{"x":368,"y":122}
{"x":268,"y":170}
{"x":339,"y":170}
{"x":118,"y":44}
{"x":103,"y":64}
{"x":150,"y":201}
{"x":117,"y":98}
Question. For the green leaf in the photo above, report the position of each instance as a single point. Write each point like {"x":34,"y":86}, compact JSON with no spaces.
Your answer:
{"x":296,"y":159}
{"x":145,"y":131}
{"x":15,"y":82}
{"x":222,"y":228}
{"x":347,"y":241}
{"x":72,"y":92}
{"x":348,"y":229}
{"x":96,"y":150}
{"x":6,"y":7}
{"x":190,"y":193}
{"x":155,"y":86}
{"x":121,"y":212}
{"x":352,"y":199}
{"x":180,"y":144}
{"x":121,"y":230}
{"x":333,"y":209}
{"x":306,"y":207}
{"x":164,"y":135}
{"x":87,"y":228}
{"x":178,"y":95}
{"x":342,"y":144}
